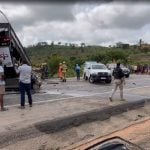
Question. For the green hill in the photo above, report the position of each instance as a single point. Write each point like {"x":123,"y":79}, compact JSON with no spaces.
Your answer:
{"x":54,"y":54}
{"x":40,"y":54}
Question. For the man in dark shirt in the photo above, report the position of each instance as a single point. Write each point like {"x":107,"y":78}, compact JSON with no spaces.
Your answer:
{"x":119,"y":81}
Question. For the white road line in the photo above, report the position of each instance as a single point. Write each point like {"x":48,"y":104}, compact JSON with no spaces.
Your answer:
{"x":39,"y":102}
{"x":72,"y":97}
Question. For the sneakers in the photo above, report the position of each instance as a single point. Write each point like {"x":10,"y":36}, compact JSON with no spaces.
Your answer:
{"x":123,"y":99}
{"x":21,"y":107}
{"x":110,"y":98}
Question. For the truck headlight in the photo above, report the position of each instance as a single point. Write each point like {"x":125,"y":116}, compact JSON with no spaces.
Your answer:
{"x":94,"y":74}
{"x":109,"y":73}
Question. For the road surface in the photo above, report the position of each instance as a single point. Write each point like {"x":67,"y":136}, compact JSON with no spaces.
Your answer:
{"x":23,"y":129}
{"x":137,"y":87}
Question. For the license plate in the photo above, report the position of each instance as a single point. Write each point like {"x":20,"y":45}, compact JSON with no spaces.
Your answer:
{"x":103,"y":78}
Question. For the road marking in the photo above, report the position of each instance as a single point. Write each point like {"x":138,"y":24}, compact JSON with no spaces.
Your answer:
{"x":73,"y":97}
{"x":39,"y":102}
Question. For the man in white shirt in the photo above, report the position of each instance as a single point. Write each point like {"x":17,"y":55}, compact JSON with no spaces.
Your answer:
{"x":25,"y":83}
{"x":2,"y":87}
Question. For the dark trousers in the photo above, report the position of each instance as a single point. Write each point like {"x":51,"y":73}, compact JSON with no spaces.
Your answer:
{"x":25,"y":88}
{"x":78,"y":75}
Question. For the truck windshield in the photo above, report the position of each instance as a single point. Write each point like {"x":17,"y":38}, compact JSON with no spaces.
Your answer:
{"x":98,"y":67}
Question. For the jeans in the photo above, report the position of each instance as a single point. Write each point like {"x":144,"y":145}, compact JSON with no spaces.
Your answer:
{"x":78,"y":75}
{"x":25,"y":88}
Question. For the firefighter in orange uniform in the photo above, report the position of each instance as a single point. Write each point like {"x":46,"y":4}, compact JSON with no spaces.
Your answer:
{"x":60,"y":74}
{"x":64,"y":70}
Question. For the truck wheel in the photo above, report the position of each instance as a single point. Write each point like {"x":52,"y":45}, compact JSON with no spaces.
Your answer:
{"x":85,"y":77}
{"x":108,"y":81}
{"x":91,"y":80}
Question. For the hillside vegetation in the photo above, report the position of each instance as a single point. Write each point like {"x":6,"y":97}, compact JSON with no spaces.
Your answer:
{"x":54,"y":54}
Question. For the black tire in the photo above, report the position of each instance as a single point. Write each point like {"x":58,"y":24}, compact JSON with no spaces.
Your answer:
{"x":85,"y":77}
{"x":127,"y":76}
{"x":108,"y":81}
{"x":91,"y":80}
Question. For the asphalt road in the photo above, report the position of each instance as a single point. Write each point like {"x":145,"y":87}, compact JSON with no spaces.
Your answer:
{"x":54,"y":94}
{"x":54,"y":90}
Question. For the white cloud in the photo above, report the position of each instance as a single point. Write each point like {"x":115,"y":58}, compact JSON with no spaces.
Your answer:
{"x":96,"y":23}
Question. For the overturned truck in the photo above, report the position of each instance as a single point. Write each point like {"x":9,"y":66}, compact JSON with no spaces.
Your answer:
{"x":11,"y":54}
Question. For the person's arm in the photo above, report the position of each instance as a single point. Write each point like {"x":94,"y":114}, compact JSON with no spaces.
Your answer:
{"x":75,"y":68}
{"x":2,"y":76}
{"x":17,"y":69}
{"x":123,"y":80}
{"x":1,"y":73}
{"x":123,"y":77}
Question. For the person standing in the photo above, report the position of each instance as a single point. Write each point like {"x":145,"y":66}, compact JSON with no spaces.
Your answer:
{"x":77,"y":69}
{"x":119,"y":81}
{"x":64,"y":70}
{"x":25,"y":83}
{"x":60,"y":74}
{"x":2,"y":87}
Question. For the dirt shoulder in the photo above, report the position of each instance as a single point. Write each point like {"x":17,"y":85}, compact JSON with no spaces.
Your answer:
{"x":137,"y":133}
{"x":39,"y":140}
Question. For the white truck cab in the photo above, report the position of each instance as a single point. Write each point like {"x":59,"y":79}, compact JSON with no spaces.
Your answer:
{"x":96,"y":72}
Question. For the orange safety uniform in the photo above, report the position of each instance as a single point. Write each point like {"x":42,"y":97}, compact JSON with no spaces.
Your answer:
{"x":64,"y":70}
{"x":60,"y":74}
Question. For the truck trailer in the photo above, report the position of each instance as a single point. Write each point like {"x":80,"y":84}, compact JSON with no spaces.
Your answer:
{"x":11,"y":54}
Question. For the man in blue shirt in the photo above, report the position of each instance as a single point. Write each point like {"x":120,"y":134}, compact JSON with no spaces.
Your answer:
{"x":77,"y":69}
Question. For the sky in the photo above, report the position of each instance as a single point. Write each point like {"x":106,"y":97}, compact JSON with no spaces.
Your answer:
{"x":93,"y":23}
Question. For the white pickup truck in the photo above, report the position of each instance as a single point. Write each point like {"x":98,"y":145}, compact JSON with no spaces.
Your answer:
{"x":96,"y":72}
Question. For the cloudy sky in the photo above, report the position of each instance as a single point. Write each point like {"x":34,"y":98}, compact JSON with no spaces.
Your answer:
{"x":94,"y":23}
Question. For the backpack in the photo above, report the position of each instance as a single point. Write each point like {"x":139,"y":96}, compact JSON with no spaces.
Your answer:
{"x":118,"y":73}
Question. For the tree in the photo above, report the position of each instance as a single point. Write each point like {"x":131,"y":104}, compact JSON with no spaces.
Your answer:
{"x":53,"y":63}
{"x":42,"y":43}
{"x":82,"y":44}
{"x":52,"y":43}
{"x":100,"y":57}
{"x":59,"y":43}
{"x":117,"y":55}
